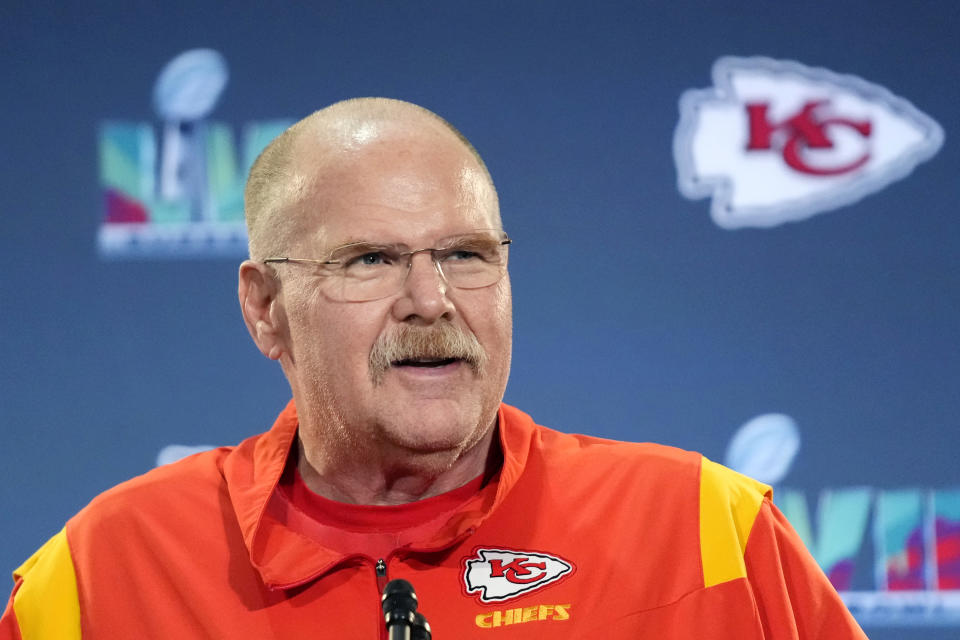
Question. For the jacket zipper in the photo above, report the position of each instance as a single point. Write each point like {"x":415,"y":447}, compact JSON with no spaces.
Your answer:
{"x":381,"y":570}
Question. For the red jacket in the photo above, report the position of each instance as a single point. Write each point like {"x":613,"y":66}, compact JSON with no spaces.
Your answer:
{"x":579,"y":537}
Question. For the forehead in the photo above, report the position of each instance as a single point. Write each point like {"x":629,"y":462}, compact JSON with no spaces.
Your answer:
{"x":394,"y":185}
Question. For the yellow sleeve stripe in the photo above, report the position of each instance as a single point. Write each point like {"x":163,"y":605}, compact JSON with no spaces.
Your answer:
{"x":46,"y":605}
{"x":729,"y":504}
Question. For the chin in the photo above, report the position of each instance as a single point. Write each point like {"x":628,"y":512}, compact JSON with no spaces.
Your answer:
{"x":434,"y":431}
{"x":424,"y":439}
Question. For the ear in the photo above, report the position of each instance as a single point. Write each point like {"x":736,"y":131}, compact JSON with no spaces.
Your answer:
{"x":262,"y":312}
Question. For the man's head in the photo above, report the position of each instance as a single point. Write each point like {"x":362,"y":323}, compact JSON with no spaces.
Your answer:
{"x":342,"y":126}
{"x":421,"y":368}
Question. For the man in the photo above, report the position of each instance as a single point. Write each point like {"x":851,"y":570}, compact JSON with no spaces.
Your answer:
{"x":377,"y":278}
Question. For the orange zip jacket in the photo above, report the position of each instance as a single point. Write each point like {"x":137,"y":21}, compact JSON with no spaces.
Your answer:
{"x":579,"y":537}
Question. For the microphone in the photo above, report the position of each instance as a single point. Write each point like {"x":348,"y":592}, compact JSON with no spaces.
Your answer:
{"x":421,"y":628}
{"x":399,"y":603}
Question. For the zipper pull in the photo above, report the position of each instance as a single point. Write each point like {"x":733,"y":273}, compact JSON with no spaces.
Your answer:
{"x":381,"y":570}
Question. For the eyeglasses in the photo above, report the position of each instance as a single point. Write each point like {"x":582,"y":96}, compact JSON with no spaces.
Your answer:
{"x":363,"y":271}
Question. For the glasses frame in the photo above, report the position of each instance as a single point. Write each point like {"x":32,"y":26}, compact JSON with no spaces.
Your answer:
{"x":504,"y":241}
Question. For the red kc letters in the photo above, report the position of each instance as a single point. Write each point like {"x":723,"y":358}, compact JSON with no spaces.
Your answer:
{"x":801,"y":131}
{"x":518,"y":567}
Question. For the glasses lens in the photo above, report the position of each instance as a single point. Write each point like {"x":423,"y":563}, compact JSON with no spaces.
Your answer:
{"x":474,"y":260}
{"x":367,"y":272}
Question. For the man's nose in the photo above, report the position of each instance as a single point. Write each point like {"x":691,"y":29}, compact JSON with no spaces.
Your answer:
{"x":424,"y":293}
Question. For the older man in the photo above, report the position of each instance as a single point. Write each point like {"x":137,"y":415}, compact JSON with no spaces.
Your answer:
{"x":377,"y":278}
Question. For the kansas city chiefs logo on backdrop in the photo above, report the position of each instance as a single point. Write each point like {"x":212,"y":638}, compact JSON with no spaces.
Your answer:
{"x":494,"y":575}
{"x":774,"y":141}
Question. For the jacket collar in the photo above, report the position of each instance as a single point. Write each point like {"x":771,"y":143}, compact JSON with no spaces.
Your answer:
{"x":285,"y":558}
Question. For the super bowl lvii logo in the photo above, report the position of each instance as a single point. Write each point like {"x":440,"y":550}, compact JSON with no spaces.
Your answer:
{"x":179,"y":193}
{"x":774,"y":141}
{"x":910,"y":536}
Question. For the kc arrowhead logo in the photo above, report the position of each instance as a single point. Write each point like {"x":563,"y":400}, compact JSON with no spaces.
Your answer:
{"x":495,"y":575}
{"x":774,"y":141}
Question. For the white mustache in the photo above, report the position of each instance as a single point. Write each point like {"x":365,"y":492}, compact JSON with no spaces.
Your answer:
{"x":439,"y":342}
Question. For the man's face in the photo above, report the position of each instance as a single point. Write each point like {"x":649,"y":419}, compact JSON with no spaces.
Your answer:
{"x":411,"y":190}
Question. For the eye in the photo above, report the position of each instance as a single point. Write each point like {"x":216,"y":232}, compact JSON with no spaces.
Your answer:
{"x":365,"y":257}
{"x":463,"y":254}
{"x":369,"y":259}
{"x":471,"y":250}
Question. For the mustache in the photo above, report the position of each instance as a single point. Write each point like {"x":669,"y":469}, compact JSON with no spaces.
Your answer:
{"x":410,"y":342}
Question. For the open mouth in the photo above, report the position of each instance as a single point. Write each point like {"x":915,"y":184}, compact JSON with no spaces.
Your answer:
{"x":425,"y":362}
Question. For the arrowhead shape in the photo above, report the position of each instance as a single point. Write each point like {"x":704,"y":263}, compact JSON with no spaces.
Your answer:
{"x":774,"y":141}
{"x":495,"y":575}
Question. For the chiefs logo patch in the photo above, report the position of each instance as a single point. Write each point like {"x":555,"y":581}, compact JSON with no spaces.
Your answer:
{"x":495,"y":575}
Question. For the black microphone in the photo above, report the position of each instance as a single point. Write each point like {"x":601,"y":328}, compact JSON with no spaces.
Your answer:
{"x":399,"y":603}
{"x":421,"y":628}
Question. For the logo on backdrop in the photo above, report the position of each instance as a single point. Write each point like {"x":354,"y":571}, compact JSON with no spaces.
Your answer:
{"x":915,"y":578}
{"x":180,"y":195}
{"x":495,"y":575}
{"x":774,"y":141}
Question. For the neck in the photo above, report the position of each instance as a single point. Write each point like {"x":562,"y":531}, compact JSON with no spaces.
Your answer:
{"x":394,"y":477}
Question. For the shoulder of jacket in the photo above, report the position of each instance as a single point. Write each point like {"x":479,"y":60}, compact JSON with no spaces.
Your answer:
{"x":178,"y":484}
{"x":729,"y":485}
{"x":729,"y":505}
{"x":556,"y":443}
{"x":46,"y":603}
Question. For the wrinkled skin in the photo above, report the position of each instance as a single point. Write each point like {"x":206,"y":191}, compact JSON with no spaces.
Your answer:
{"x":417,"y":431}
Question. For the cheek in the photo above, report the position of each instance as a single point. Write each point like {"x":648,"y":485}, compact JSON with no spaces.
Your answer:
{"x":491,"y":320}
{"x":349,"y":331}
{"x":301,"y":300}
{"x":503,"y":309}
{"x":315,"y":325}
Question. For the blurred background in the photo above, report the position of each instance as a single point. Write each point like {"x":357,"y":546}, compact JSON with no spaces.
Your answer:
{"x":832,"y":337}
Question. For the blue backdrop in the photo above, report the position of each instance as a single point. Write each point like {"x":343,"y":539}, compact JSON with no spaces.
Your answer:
{"x":660,"y":326}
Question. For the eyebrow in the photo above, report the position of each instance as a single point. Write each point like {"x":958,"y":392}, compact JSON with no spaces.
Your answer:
{"x":357,"y":242}
{"x":363,"y":244}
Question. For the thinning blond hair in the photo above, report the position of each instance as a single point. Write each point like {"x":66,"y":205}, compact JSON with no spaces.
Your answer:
{"x":269,"y":182}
